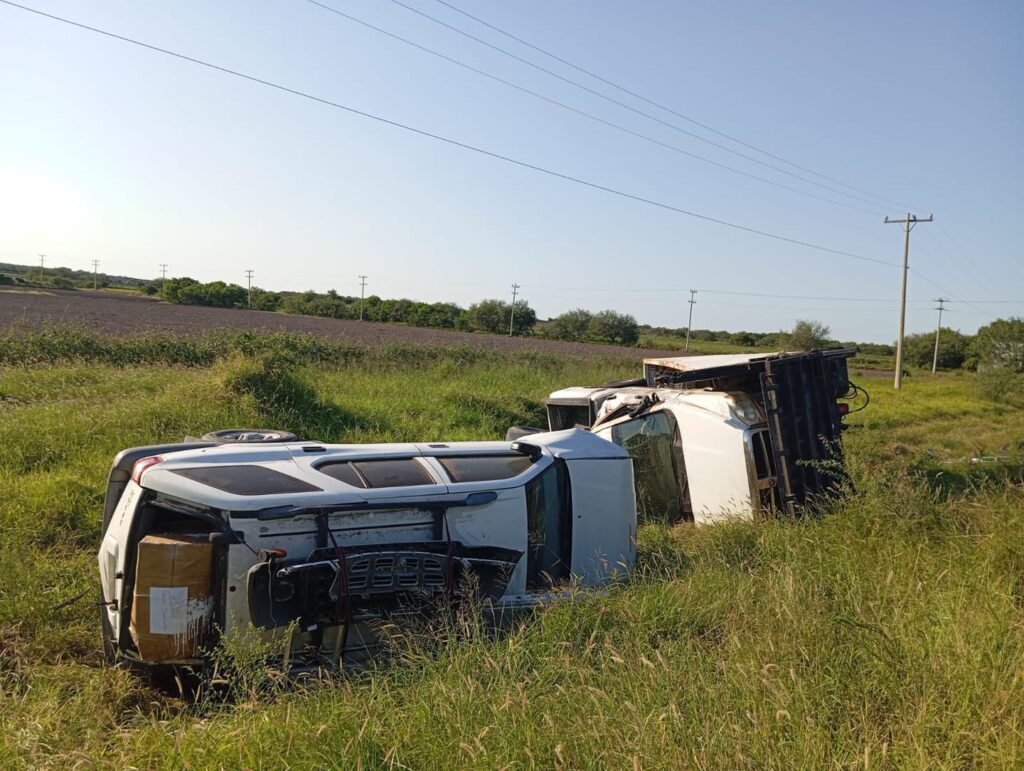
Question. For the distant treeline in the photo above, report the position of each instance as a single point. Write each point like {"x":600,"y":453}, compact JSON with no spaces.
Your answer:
{"x":63,"y":278}
{"x":999,"y":345}
{"x":485,"y":316}
{"x":773,"y":340}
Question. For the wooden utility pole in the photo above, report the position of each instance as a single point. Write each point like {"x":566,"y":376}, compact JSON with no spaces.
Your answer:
{"x":95,"y":278}
{"x":163,"y":271}
{"x":689,"y":323}
{"x":935,"y":357}
{"x":908,"y":223}
{"x":42,"y":263}
{"x":248,"y":280}
{"x":512,"y":315}
{"x":362,"y":294}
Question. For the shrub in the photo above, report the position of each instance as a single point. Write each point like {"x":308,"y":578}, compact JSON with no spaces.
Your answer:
{"x":494,"y":315}
{"x":807,"y":336}
{"x":1001,"y":343}
{"x":612,"y":327}
{"x":999,"y":383}
{"x":954,"y":348}
{"x":571,"y":325}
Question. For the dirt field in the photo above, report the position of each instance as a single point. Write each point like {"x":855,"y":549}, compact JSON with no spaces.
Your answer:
{"x":124,"y":314}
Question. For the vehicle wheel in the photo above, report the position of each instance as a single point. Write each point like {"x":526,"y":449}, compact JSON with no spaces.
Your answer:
{"x":518,"y":432}
{"x":259,"y":435}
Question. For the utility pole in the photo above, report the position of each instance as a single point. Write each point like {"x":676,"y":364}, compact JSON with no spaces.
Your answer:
{"x":935,"y":357}
{"x":362,"y":294}
{"x":42,"y":262}
{"x":248,"y":278}
{"x":163,"y":271}
{"x":95,"y":267}
{"x":908,"y":223}
{"x":512,"y":315}
{"x":689,"y":323}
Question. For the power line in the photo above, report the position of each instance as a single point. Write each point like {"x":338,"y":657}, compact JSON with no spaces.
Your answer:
{"x":659,"y":105}
{"x":624,"y":105}
{"x":583,"y":113}
{"x":803,"y":309}
{"x":958,"y":260}
{"x":805,"y":297}
{"x":969,"y":304}
{"x":452,"y":142}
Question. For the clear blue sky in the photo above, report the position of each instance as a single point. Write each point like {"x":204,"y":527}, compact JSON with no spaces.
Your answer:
{"x":112,"y":152}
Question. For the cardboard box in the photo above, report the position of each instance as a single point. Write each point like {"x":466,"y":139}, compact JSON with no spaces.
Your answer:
{"x":172,"y":606}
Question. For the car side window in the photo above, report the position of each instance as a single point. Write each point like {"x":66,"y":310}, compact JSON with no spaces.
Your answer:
{"x":383,"y":472}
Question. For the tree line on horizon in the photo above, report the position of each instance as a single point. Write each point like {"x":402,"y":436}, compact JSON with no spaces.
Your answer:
{"x":999,"y":344}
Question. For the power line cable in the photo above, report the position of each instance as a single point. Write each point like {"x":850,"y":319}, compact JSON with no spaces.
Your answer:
{"x":793,"y":308}
{"x":454,"y":142}
{"x":659,"y":105}
{"x":583,"y":113}
{"x":626,"y":106}
{"x":806,"y":297}
{"x":950,"y":294}
{"x":959,"y":259}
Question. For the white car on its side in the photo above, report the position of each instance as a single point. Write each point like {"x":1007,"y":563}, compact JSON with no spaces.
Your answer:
{"x":258,"y":529}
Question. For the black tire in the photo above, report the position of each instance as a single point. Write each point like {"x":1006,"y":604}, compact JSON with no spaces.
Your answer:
{"x":518,"y":432}
{"x":250,"y":435}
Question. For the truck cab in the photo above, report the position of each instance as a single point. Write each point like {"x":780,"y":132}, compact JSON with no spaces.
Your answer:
{"x":723,"y":437}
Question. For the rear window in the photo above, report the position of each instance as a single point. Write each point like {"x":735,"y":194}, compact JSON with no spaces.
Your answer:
{"x":387,"y":472}
{"x":246,"y":480}
{"x":477,"y":468}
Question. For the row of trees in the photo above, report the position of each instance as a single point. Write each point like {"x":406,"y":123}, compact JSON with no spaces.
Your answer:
{"x":485,"y":316}
{"x":604,"y":326}
{"x":999,"y":344}
{"x":996,"y":345}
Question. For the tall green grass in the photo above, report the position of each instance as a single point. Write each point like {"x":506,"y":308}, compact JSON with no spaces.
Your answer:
{"x":888,"y":633}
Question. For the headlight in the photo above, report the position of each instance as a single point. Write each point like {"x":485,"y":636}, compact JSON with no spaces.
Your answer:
{"x":745,"y":411}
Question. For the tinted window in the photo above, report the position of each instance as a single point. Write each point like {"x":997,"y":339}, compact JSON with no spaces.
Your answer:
{"x":246,"y":480}
{"x":549,"y":528}
{"x":387,"y":472}
{"x":475,"y":468}
{"x":343,"y":472}
{"x":652,"y":441}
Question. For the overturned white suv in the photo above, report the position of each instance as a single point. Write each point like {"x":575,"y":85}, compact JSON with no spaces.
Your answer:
{"x":205,"y":538}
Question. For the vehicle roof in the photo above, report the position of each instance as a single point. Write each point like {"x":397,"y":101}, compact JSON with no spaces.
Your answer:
{"x":713,"y":361}
{"x":299,"y":461}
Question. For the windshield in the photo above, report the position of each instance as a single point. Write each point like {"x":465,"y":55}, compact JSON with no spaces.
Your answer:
{"x":653,"y":443}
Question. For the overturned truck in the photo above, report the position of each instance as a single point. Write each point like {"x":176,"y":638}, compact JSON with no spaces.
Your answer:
{"x":717,"y":437}
{"x":321,"y":542}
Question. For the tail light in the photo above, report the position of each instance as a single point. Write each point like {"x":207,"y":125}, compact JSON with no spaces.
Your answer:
{"x":844,"y":408}
{"x":142,"y":465}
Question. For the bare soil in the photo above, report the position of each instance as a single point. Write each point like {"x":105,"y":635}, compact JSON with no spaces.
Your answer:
{"x":125,"y":314}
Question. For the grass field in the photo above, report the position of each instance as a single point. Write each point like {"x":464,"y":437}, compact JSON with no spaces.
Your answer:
{"x":888,"y":633}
